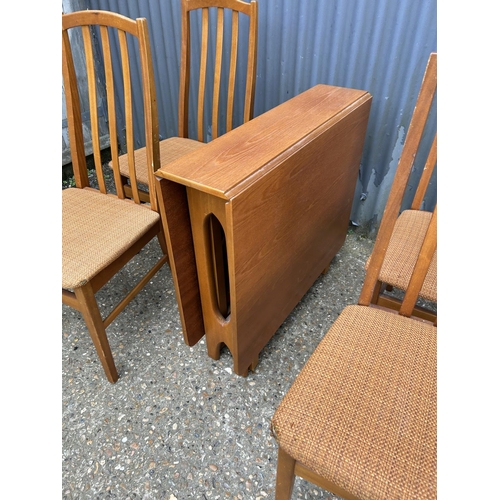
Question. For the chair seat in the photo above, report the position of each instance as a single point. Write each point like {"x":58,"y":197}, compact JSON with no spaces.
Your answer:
{"x":402,"y":253}
{"x":96,"y":229}
{"x":362,"y":412}
{"x":170,"y":149}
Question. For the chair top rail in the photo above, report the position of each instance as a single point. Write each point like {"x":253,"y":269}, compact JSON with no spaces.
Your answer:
{"x":238,"y":5}
{"x":101,"y":18}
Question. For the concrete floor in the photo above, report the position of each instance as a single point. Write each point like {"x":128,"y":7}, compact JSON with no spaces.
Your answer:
{"x":178,"y":424}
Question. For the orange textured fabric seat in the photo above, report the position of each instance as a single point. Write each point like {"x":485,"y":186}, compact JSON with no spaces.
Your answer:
{"x":362,"y":412}
{"x":97,"y":229}
{"x":402,"y":253}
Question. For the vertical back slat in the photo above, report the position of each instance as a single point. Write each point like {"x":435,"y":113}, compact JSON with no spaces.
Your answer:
{"x":232,"y":70}
{"x":252,"y":63}
{"x":203,"y":71}
{"x":110,"y":96}
{"x":184,"y":72}
{"x":150,"y":111}
{"x":425,"y":257}
{"x":129,"y":122}
{"x":94,"y":115}
{"x":217,"y":72}
{"x":74,"y":114}
{"x":426,"y":176}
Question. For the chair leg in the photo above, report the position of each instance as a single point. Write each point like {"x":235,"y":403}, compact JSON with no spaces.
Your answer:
{"x":163,"y":242}
{"x":127,"y":192}
{"x":376,"y":292}
{"x":92,"y":316}
{"x":285,"y":475}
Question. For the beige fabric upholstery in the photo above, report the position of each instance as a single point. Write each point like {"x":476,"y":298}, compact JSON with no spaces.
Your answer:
{"x":362,"y":412}
{"x":170,"y":149}
{"x":402,"y":253}
{"x":97,"y":228}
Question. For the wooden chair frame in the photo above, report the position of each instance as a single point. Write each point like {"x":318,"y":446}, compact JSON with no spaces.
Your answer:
{"x":83,"y":298}
{"x":371,"y":293}
{"x":288,"y":468}
{"x":238,"y":8}
{"x":374,"y":291}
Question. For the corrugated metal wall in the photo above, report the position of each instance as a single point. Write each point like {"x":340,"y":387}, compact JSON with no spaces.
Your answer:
{"x":380,"y":46}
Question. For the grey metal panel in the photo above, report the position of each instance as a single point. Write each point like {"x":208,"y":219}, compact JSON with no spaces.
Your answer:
{"x":380,"y":46}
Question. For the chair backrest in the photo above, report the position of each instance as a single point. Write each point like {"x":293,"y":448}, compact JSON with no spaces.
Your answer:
{"x":400,"y":182}
{"x":99,"y":31}
{"x":228,"y":12}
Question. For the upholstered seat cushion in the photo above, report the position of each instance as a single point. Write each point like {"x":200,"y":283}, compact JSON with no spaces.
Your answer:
{"x":402,"y":253}
{"x":362,"y":412}
{"x":97,"y":228}
{"x":170,"y":149}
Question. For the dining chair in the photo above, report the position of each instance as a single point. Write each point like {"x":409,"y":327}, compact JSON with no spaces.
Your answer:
{"x":401,"y":231}
{"x":102,"y":231}
{"x":221,"y":42}
{"x":360,"y":418}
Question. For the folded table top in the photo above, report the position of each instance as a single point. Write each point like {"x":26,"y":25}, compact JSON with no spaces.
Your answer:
{"x":231,"y":163}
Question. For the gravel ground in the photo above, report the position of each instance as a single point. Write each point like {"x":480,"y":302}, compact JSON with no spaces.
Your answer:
{"x":178,"y":424}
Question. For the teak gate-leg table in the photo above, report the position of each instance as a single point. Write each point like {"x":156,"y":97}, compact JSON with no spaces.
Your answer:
{"x":255,"y":216}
